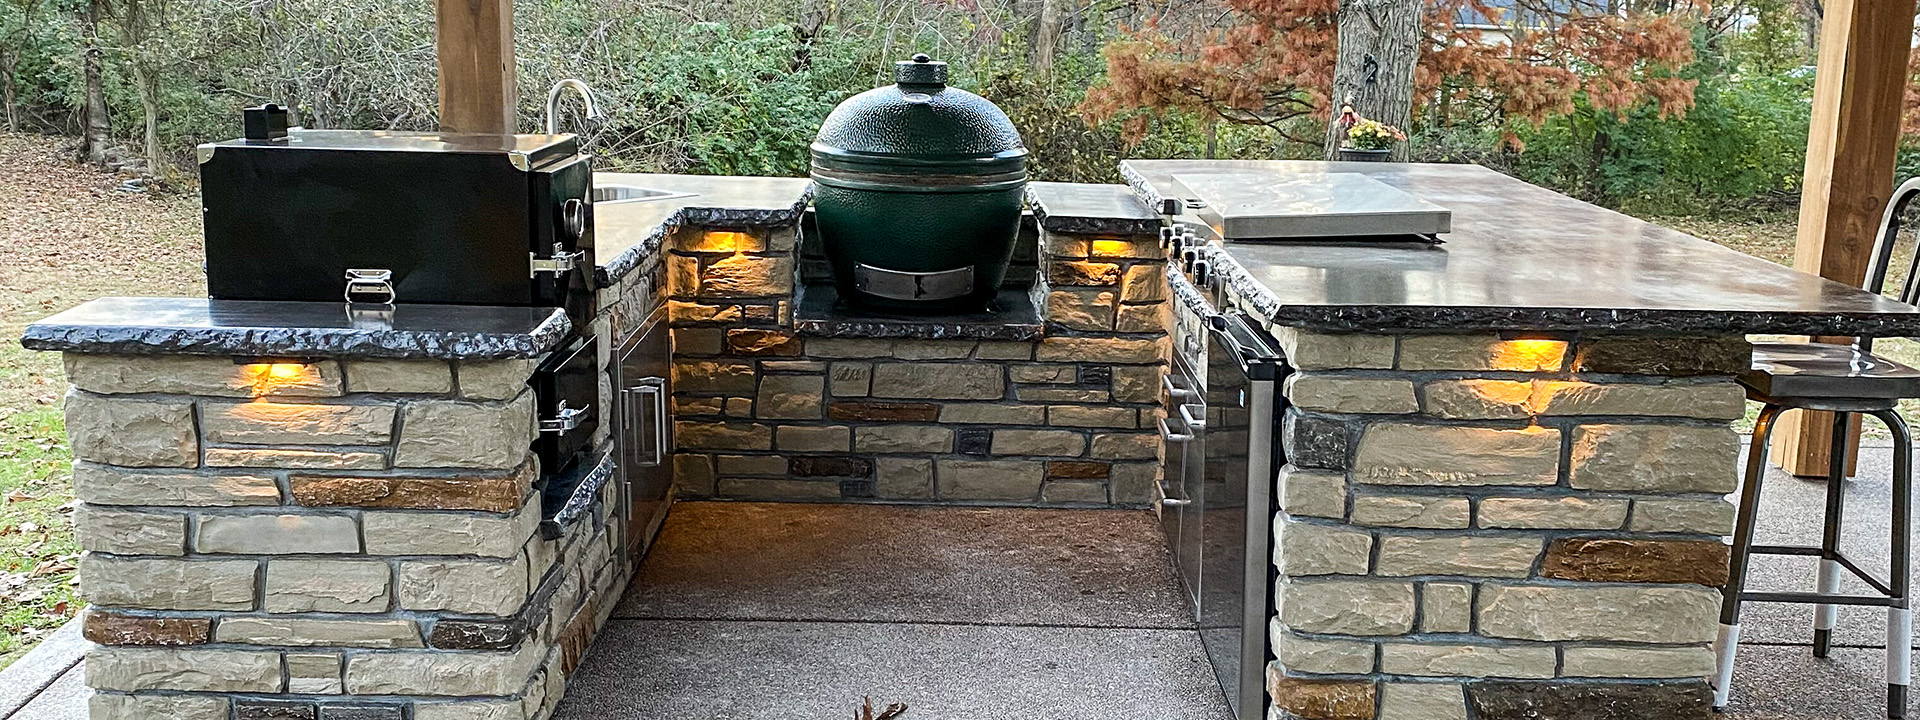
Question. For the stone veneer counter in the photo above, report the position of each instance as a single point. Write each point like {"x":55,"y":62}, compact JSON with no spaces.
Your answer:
{"x":1522,"y":257}
{"x":198,"y":326}
{"x":628,"y":234}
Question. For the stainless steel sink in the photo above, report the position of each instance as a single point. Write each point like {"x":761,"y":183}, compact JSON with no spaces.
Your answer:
{"x":610,"y":194}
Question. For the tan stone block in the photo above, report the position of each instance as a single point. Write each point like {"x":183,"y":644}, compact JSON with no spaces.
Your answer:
{"x":478,"y":587}
{"x":465,"y":435}
{"x":693,"y":473}
{"x":1422,"y":701}
{"x":1416,"y":511}
{"x":1133,"y":351}
{"x":1065,"y":443}
{"x":128,"y":669}
{"x":1091,"y":416}
{"x":1032,"y":394}
{"x":108,"y":580}
{"x":1003,"y":350}
{"x":1313,"y":494}
{"x":1044,"y":374}
{"x":1459,"y":660}
{"x":1347,"y":607}
{"x":445,"y":533}
{"x":697,"y":240}
{"x":1145,"y":282}
{"x":1446,"y":607}
{"x":1665,"y":614}
{"x":743,"y":275}
{"x":433,"y":377}
{"x":1140,"y":247}
{"x":311,"y":632}
{"x":1330,"y":657}
{"x":739,"y":407}
{"x":752,"y":465}
{"x":833,"y":438}
{"x":1141,"y":318}
{"x":276,"y":534}
{"x":989,"y":479}
{"x":493,"y":379}
{"x":1132,"y":483}
{"x":295,"y":459}
{"x":1074,"y":491}
{"x":698,"y":341}
{"x":683,"y":275}
{"x":1311,"y":549}
{"x":1654,"y":458}
{"x":1080,"y":272}
{"x":1126,"y":446}
{"x":932,"y":349}
{"x":938,"y":381}
{"x":467,"y":674}
{"x":1308,"y":350}
{"x":988,"y":414}
{"x":777,"y":489}
{"x":129,"y":533}
{"x":272,"y":423}
{"x":903,"y":439}
{"x":1564,"y":513}
{"x":1637,"y":662}
{"x":1081,"y":309}
{"x":762,"y":342}
{"x":730,"y":377}
{"x":1064,"y":245}
{"x":1346,"y":394}
{"x":314,"y":673}
{"x":1672,"y":356}
{"x":849,"y":348}
{"x":685,"y":406}
{"x":102,"y":485}
{"x":1136,"y":384}
{"x":1478,"y":556}
{"x":195,"y":375}
{"x":883,"y":411}
{"x":484,"y":709}
{"x":722,"y":436}
{"x":343,"y":586}
{"x":1481,"y":352}
{"x":850,"y":379}
{"x":692,"y":312}
{"x":1477,"y":399}
{"x":1440,"y":455}
{"x":115,"y":706}
{"x":903,"y":478}
{"x":791,"y":397}
{"x":131,"y":433}
{"x":1704,"y":517}
{"x":1724,"y":400}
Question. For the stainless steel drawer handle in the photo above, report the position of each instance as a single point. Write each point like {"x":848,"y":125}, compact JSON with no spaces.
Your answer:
{"x":1174,"y":390}
{"x":1193,"y":423}
{"x":651,"y":391}
{"x":1171,"y":436}
{"x":1174,"y":502}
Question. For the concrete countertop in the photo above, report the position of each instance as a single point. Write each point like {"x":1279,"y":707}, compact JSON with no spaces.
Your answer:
{"x":1522,"y":257}
{"x":626,"y":233}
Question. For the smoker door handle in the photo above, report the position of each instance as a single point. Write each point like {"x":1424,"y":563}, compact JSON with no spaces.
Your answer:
{"x":652,"y":390}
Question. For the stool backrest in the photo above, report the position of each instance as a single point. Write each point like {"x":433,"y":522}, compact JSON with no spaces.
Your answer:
{"x":1883,"y":247}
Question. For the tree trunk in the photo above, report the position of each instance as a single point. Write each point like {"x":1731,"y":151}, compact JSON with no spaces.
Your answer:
{"x":6,"y":89}
{"x":1046,"y":36}
{"x":148,"y":83}
{"x":1379,"y":46}
{"x":95,"y":112}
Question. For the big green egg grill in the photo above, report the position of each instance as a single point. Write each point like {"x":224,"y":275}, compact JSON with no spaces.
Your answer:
{"x":918,"y":189}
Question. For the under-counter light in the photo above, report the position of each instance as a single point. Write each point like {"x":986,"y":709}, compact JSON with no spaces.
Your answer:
{"x":266,"y":377}
{"x":724,"y":241}
{"x":1529,"y":355}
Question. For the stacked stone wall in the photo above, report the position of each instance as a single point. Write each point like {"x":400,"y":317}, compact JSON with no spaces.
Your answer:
{"x":1497,"y":528}
{"x":765,"y":413}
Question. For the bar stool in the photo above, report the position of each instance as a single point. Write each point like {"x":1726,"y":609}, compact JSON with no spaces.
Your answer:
{"x":1844,"y":380}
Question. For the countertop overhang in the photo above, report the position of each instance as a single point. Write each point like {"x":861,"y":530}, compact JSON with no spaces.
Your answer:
{"x":273,"y":329}
{"x":627,"y":233}
{"x":1522,"y":257}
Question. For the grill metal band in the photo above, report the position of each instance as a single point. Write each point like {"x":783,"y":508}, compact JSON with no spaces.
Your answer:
{"x":898,"y":285}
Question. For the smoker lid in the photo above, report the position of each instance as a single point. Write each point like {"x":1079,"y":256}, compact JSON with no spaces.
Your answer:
{"x":1273,"y":205}
{"x":918,"y":124}
{"x":538,"y":149}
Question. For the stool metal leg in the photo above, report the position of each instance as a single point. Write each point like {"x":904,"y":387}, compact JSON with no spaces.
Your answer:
{"x":1900,"y":615}
{"x":1728,"y":641}
{"x":1829,"y":570}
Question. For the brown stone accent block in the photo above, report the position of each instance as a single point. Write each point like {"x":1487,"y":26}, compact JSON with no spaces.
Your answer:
{"x":1076,"y":470}
{"x":1590,"y":701}
{"x":747,"y":341}
{"x":1321,"y":699}
{"x":485,"y":493}
{"x":1671,"y":356}
{"x":1699,"y":562}
{"x":884,"y":411}
{"x":111,"y":628}
{"x":1062,"y":272}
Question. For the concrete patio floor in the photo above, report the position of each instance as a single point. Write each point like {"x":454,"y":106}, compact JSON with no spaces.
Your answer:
{"x":775,"y":612}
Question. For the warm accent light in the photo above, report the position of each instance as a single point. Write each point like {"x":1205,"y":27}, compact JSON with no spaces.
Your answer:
{"x":724,"y":241}
{"x":266,"y":378}
{"x":1112,"y":248}
{"x":1531,"y":355}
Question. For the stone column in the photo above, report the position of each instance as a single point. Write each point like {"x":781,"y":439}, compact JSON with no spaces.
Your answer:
{"x":1499,"y":529}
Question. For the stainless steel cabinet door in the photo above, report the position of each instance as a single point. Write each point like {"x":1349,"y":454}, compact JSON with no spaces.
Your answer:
{"x":645,"y":438}
{"x":1182,"y":481}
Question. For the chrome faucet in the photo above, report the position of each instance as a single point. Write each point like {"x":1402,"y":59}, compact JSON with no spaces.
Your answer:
{"x":553,"y":103}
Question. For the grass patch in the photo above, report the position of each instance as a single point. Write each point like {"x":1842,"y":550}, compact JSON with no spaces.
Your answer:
{"x":37,"y":548}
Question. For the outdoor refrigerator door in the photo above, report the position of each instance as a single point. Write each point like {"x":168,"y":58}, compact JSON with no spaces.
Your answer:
{"x":1238,"y":513}
{"x":646,"y":428}
{"x":1179,"y":517}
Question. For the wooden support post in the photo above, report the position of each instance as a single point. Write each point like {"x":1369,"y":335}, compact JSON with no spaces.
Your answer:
{"x":1851,"y":144}
{"x":474,"y":39}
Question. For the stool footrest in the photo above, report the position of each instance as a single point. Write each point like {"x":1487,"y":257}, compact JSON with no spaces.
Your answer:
{"x":1818,"y":599}
{"x":1841,"y":558}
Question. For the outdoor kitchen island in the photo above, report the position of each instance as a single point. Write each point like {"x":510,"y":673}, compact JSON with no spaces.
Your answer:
{"x":1506,"y":456}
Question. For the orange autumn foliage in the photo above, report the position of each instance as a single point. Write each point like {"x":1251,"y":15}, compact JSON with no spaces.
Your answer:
{"x":1274,"y":63}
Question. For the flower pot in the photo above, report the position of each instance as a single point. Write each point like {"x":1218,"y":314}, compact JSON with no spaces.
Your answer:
{"x":1358,"y":155}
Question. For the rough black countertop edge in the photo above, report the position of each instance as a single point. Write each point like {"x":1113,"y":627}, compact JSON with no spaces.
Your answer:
{"x":816,"y":314}
{"x":614,"y":270}
{"x":1083,"y":225}
{"x":299,"y":342}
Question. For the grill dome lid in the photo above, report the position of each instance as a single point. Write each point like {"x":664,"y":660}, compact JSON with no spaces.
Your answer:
{"x":919,"y":125}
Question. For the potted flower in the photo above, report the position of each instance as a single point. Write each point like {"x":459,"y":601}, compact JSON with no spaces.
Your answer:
{"x":1370,"y":141}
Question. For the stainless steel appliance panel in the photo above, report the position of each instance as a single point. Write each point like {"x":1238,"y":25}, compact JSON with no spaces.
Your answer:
{"x":644,"y":434}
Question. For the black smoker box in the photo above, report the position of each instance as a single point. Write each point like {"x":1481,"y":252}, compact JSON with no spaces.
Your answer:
{"x":403,"y":217}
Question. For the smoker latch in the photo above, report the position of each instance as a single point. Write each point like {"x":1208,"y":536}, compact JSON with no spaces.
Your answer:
{"x":561,"y":263}
{"x":377,"y":282}
{"x":563,"y":420}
